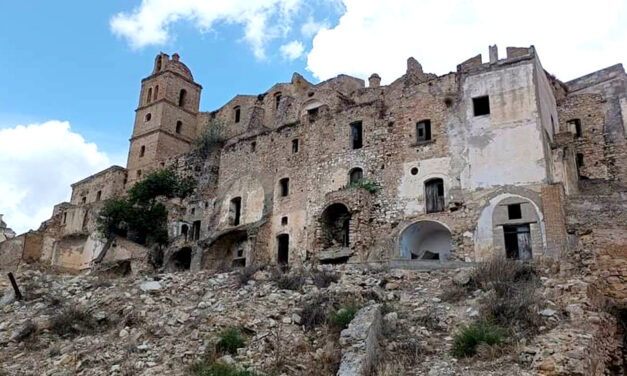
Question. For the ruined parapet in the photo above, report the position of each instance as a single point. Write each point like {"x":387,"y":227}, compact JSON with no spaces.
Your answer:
{"x":5,"y":231}
{"x":374,"y":81}
{"x":415,"y":75}
{"x":360,"y":342}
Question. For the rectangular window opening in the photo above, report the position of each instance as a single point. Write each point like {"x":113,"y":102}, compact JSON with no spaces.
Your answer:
{"x":235,"y":211}
{"x":423,"y":131}
{"x":285,"y":187}
{"x":356,"y":135}
{"x":481,"y":105}
{"x":295,"y":145}
{"x":514,"y":211}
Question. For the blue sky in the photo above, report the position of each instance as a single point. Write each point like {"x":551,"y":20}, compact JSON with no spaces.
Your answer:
{"x":70,"y":71}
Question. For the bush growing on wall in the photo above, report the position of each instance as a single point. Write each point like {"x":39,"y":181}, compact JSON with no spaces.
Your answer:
{"x":139,"y":216}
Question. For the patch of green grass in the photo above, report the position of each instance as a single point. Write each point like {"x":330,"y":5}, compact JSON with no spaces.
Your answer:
{"x":366,"y":184}
{"x":230,"y":340}
{"x":343,"y":316}
{"x":469,"y":337}
{"x":205,"y":368}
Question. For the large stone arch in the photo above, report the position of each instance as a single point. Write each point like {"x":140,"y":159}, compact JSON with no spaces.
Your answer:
{"x":425,"y":240}
{"x":489,"y":237}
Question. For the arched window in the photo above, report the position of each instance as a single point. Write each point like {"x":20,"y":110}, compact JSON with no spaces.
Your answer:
{"x":148,"y":117}
{"x":356,"y":175}
{"x":142,"y":151}
{"x":154,"y":98}
{"x":179,"y":126}
{"x":237,"y":113}
{"x":158,"y":63}
{"x":182,"y":97}
{"x":235,"y":211}
{"x":149,"y":97}
{"x":434,"y":195}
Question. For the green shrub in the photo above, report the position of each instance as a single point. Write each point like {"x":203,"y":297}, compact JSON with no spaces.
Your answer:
{"x":469,"y":337}
{"x":206,"y":368}
{"x":343,"y":316}
{"x":364,"y":183}
{"x":230,"y":340}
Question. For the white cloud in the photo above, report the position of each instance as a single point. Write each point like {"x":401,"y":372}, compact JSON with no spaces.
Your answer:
{"x":292,"y":50}
{"x":38,"y":162}
{"x":311,"y":27}
{"x":572,"y":37}
{"x":263,"y":20}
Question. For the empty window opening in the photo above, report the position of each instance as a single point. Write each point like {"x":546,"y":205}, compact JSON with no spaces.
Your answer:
{"x":356,"y":175}
{"x":356,"y":135}
{"x":448,"y":102}
{"x":193,"y":211}
{"x":184,"y":231}
{"x":139,"y":174}
{"x":414,"y":171}
{"x":481,"y":105}
{"x":253,"y":147}
{"x":514,"y":211}
{"x":283,"y":248}
{"x":158,"y":63}
{"x":148,"y":117}
{"x":239,"y":261}
{"x":154,"y":98}
{"x":98,"y":195}
{"x":237,"y":112}
{"x":179,"y":126}
{"x":336,"y":221}
{"x":196,"y":230}
{"x":84,"y":199}
{"x":295,"y":145}
{"x":235,"y":211}
{"x":517,"y":242}
{"x":182,"y":97}
{"x":284,"y":186}
{"x":434,"y":194}
{"x":149,"y":96}
{"x":312,"y":114}
{"x":277,"y":100}
{"x":284,"y":221}
{"x":142,"y":151}
{"x":65,"y":218}
{"x":423,"y":131}
{"x":575,"y":125}
{"x":182,"y":260}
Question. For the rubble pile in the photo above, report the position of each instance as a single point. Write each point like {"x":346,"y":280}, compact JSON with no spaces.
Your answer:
{"x":160,"y":324}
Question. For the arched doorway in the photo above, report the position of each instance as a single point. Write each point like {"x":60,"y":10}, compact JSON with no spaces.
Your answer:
{"x":335,"y":226}
{"x":182,"y":259}
{"x":426,"y":240}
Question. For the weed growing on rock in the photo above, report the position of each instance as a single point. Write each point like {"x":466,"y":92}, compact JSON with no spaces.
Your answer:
{"x":343,"y":316}
{"x":230,"y":340}
{"x":481,"y":332}
{"x":72,"y":322}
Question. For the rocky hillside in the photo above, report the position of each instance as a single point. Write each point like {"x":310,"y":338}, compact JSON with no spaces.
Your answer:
{"x":272,"y":323}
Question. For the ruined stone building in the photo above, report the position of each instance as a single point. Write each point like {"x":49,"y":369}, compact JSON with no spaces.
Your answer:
{"x":496,"y":158}
{"x":5,"y":231}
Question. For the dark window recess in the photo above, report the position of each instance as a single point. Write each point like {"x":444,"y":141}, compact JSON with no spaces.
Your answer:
{"x":277,"y":100}
{"x":139,"y":174}
{"x":414,"y":171}
{"x":184,"y":231}
{"x":84,"y":199}
{"x":517,"y":242}
{"x":576,"y":124}
{"x":253,"y":147}
{"x":356,"y":135}
{"x":142,"y":151}
{"x":580,"y":164}
{"x":235,"y":211}
{"x":356,"y":175}
{"x":237,"y":112}
{"x":98,"y":195}
{"x":179,"y":126}
{"x":284,"y":221}
{"x":149,"y":98}
{"x":514,"y":211}
{"x":481,"y":105}
{"x":423,"y":131}
{"x":148,"y":117}
{"x":284,"y":186}
{"x":154,"y":98}
{"x":182,"y":97}
{"x":283,"y":248}
{"x":196,"y":230}
{"x":295,"y":145}
{"x":434,"y":193}
{"x":312,"y":114}
{"x":193,"y":211}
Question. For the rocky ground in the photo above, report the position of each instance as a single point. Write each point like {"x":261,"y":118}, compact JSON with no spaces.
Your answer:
{"x":160,"y":324}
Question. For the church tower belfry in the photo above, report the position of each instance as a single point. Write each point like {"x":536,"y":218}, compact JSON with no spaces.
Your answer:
{"x":166,"y":116}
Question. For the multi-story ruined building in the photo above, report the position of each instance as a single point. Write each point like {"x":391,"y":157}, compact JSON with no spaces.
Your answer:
{"x":481,"y":161}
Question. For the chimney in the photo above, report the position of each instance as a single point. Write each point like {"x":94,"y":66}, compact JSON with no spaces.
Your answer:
{"x":494,"y":54}
{"x":176,"y":56}
{"x":374,"y":80}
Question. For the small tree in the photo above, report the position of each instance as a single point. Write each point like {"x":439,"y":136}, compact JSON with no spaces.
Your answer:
{"x":210,"y":140}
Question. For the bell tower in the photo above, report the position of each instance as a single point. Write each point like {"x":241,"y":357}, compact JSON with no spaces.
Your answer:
{"x":166,"y":117}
